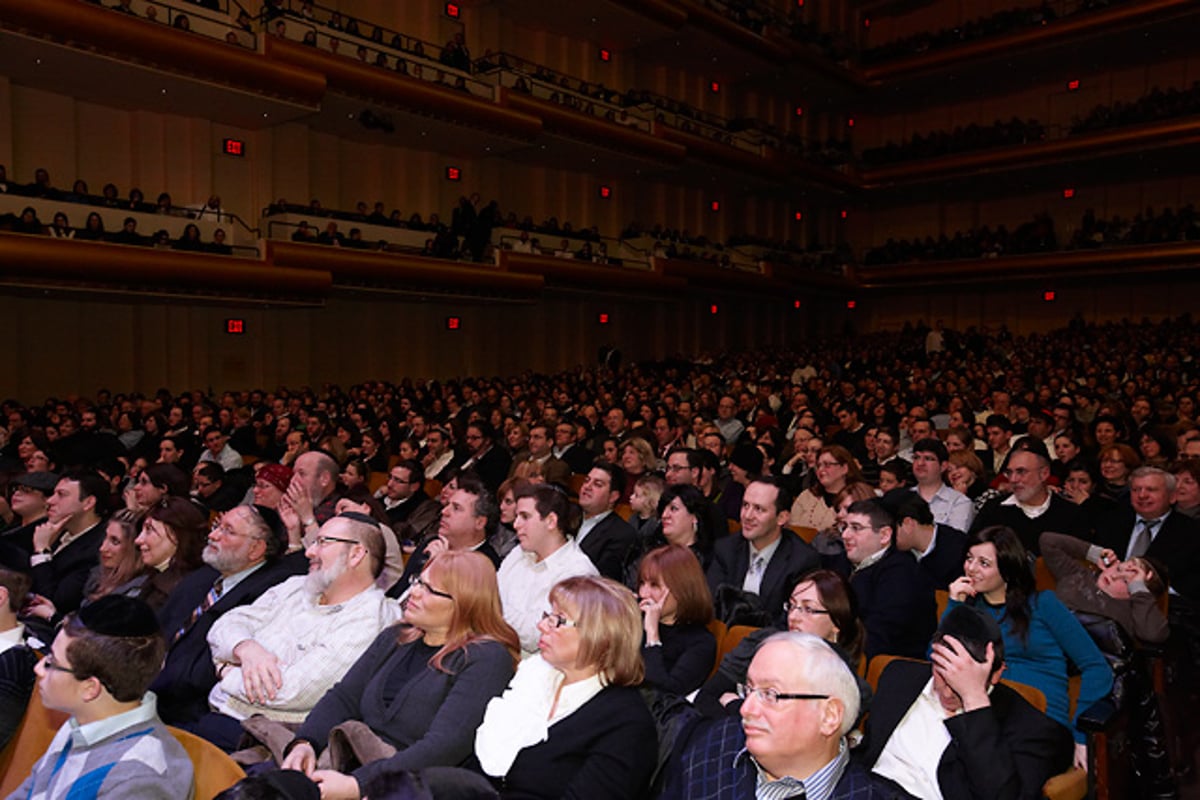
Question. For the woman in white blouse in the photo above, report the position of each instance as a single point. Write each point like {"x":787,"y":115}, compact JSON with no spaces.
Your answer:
{"x":572,"y":724}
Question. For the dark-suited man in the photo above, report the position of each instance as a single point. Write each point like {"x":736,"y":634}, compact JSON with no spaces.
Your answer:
{"x":603,"y":536}
{"x":895,"y":598}
{"x":939,"y":549}
{"x":404,"y":498}
{"x":569,"y":449}
{"x":487,"y":460}
{"x":1151,"y":528}
{"x":799,"y":701}
{"x":766,"y":559}
{"x":951,"y":730}
{"x":67,"y":545}
{"x":241,"y":563}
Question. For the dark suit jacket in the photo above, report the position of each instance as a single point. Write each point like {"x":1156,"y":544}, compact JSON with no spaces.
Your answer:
{"x":1002,"y":753}
{"x":63,"y":577}
{"x":1177,"y":544}
{"x":492,"y":468}
{"x":897,"y":606}
{"x":554,"y":470}
{"x":945,"y":564}
{"x":731,"y":559}
{"x":579,"y":459}
{"x":1062,"y":516}
{"x":420,"y":556}
{"x":188,"y":674}
{"x":610,"y":545}
{"x":707,"y":770}
{"x":605,"y":750}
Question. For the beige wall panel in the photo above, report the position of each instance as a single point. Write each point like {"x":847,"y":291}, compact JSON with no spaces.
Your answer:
{"x":6,"y":126}
{"x":108,"y":132}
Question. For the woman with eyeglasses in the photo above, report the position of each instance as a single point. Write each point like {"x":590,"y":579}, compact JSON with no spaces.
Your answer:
{"x":572,"y":722}
{"x":821,"y":603}
{"x":1040,"y":634}
{"x":1117,"y":462}
{"x":835,"y":469}
{"x":416,"y":696}
{"x":678,"y":648}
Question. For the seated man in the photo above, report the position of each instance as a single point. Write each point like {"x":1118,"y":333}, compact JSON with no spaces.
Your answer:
{"x":16,"y":658}
{"x":939,"y":549}
{"x":114,"y":744}
{"x":281,"y":654}
{"x":951,"y":730}
{"x":547,"y":554}
{"x":800,"y":701}
{"x":895,"y":597}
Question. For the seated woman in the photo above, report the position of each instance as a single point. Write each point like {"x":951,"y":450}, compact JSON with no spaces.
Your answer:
{"x":61,"y":229}
{"x":684,"y":515}
{"x":157,"y":482}
{"x":572,"y":724}
{"x":172,"y":538}
{"x":190,"y":240}
{"x":821,"y":603}
{"x":120,"y":571}
{"x":678,"y":648}
{"x":835,"y":468}
{"x":1117,"y":462}
{"x":93,"y":229}
{"x":416,"y":696}
{"x":1040,"y":634}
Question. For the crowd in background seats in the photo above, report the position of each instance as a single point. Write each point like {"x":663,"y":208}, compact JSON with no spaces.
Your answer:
{"x":960,"y":140}
{"x":1159,"y":104}
{"x":1035,"y":236}
{"x":1150,"y":227}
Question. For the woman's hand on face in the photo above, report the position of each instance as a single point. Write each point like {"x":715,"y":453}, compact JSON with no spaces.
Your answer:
{"x":961,"y":589}
{"x":651,"y":615}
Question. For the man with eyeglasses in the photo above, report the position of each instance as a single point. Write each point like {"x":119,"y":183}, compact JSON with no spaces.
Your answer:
{"x":488,"y":461}
{"x":404,"y":497}
{"x":114,"y":744}
{"x":242,"y":560}
{"x":950,"y":729}
{"x":1032,"y":509}
{"x":930,"y":460}
{"x":895,"y":599}
{"x":541,"y":451}
{"x":30,"y":493}
{"x":799,"y":702}
{"x":280,"y":654}
{"x":568,"y":448}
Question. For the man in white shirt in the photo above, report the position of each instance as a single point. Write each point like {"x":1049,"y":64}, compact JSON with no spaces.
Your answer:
{"x":547,"y":554}
{"x":950,"y":731}
{"x":281,"y":654}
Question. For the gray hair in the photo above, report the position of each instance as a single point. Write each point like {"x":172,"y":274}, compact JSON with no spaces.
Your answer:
{"x":825,"y":671}
{"x":1149,"y":472}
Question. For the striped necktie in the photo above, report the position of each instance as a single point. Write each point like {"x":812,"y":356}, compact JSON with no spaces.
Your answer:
{"x":213,"y":594}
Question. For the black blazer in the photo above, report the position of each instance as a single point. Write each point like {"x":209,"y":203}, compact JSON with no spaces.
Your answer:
{"x":492,"y":469}
{"x":63,"y":577}
{"x":606,"y":750}
{"x":1177,"y":544}
{"x":1062,"y":516}
{"x":1003,"y":753}
{"x":416,"y":563}
{"x":579,"y":459}
{"x":731,"y":559}
{"x":609,"y":545}
{"x":945,"y":564}
{"x":897,"y":606}
{"x":188,"y":674}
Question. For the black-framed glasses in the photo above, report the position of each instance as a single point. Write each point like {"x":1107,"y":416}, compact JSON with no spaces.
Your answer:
{"x":771,"y":697}
{"x":806,"y":610}
{"x":417,"y":580}
{"x":48,"y":662}
{"x":321,"y":541}
{"x":557,"y":620}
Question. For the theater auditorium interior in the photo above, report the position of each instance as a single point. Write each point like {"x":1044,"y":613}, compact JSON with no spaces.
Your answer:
{"x":524,"y":211}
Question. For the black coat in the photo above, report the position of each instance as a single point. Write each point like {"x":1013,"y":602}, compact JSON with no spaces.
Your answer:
{"x":731,"y":559}
{"x":610,"y":545}
{"x":1062,"y":516}
{"x":63,"y":577}
{"x":1005,"y":752}
{"x":1177,"y":544}
{"x":897,"y":606}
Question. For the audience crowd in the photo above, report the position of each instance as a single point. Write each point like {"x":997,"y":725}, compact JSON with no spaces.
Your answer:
{"x":999,"y":24}
{"x":473,"y":575}
{"x":959,"y":140}
{"x":1157,"y":105}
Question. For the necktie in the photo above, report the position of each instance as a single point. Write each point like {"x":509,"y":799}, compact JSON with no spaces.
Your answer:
{"x":1142,"y":537}
{"x":198,"y":611}
{"x":756,"y":566}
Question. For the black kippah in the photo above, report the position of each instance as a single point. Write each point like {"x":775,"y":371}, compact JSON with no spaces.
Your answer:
{"x":358,"y":516}
{"x":964,"y":622}
{"x":117,"y":615}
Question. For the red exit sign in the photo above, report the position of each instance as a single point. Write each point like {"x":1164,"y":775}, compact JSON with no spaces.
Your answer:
{"x":233,"y":147}
{"x":235,"y":326}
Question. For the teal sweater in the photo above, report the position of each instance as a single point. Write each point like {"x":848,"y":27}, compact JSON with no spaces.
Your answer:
{"x":1054,"y":636}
